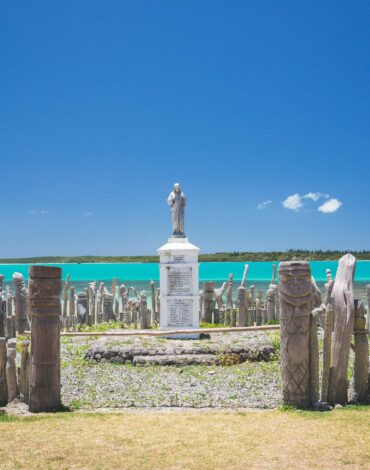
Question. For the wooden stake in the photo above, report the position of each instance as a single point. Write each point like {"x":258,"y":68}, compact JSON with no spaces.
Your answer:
{"x":314,"y":358}
{"x":154,"y":313}
{"x":361,"y":365}
{"x":21,"y":303}
{"x":45,"y":290}
{"x":242,"y":306}
{"x":295,"y":300}
{"x":11,"y":370}
{"x":3,"y":383}
{"x":209,"y":302}
{"x":328,"y":331}
{"x":344,"y":316}
{"x":24,"y":376}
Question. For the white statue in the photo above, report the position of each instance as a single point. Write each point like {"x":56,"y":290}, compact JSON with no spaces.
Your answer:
{"x":177,"y":200}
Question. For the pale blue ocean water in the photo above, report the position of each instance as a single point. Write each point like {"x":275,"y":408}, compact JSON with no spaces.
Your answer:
{"x":138,"y":275}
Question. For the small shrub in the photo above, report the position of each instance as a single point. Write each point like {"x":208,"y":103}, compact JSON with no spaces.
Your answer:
{"x":225,"y":359}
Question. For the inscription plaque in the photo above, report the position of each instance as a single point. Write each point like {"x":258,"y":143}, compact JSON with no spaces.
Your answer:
{"x":178,"y":258}
{"x":180,"y":312}
{"x":179,"y":281}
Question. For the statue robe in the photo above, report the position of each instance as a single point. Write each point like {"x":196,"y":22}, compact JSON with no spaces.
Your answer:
{"x":177,"y":201}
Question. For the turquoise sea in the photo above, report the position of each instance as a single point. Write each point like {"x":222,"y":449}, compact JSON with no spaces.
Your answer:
{"x":258,"y":271}
{"x":138,"y":275}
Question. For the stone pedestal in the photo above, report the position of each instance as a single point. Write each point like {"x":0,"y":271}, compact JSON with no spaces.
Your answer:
{"x":179,"y":285}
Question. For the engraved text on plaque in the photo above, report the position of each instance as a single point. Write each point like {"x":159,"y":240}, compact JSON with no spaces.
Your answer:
{"x":180,"y":312}
{"x":179,"y":281}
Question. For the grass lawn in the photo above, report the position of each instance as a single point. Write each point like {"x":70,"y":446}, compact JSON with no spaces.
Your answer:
{"x":188,"y":440}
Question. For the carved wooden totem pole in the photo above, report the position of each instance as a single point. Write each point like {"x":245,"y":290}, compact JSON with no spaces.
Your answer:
{"x":45,"y":287}
{"x":82,"y":305}
{"x":295,"y":301}
{"x":21,"y":303}
{"x":361,"y":365}
{"x":209,"y":302}
{"x":242,"y":306}
{"x":3,"y":384}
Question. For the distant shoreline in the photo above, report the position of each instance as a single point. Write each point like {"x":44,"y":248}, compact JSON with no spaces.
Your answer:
{"x":213,"y":257}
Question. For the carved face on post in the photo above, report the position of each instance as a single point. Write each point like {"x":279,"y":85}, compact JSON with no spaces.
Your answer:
{"x":295,"y":282}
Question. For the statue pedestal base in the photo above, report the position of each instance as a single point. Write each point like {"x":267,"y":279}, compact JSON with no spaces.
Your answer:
{"x":179,"y":286}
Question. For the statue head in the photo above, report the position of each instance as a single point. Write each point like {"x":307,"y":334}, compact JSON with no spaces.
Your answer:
{"x":295,"y":281}
{"x":176,"y":187}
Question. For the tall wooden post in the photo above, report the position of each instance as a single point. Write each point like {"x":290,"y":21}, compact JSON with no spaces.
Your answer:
{"x":259,"y":308}
{"x":368,"y":308}
{"x":72,"y":309}
{"x":65,"y":301}
{"x":11,"y":374}
{"x":201,"y":304}
{"x":209,"y":301}
{"x":326,"y":367}
{"x":152,"y":292}
{"x":99,"y":303}
{"x":2,"y":314}
{"x":10,"y":318}
{"x":92,"y":295}
{"x":158,"y":304}
{"x":314,"y":357}
{"x":295,"y":300}
{"x":116,"y":303}
{"x":21,"y":303}
{"x":277,"y":305}
{"x":242,"y":306}
{"x":108,"y":314}
{"x":45,"y":288}
{"x":252,"y":304}
{"x":124,"y":299}
{"x":134,"y":313}
{"x":143,"y":310}
{"x":344,"y":316}
{"x":3,"y":383}
{"x":361,"y":365}
{"x":82,"y":307}
{"x":24,"y":376}
{"x":270,"y":302}
{"x":229,"y":300}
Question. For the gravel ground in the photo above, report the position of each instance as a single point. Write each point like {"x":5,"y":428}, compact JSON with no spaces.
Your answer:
{"x":90,"y":385}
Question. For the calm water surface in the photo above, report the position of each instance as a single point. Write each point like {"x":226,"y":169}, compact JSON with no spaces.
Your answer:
{"x":139,"y":274}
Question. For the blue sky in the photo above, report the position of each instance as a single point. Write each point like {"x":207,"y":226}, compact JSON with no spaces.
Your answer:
{"x":105,"y":104}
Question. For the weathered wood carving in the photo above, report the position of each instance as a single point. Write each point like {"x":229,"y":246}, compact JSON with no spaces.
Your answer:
{"x":45,"y":289}
{"x":344,"y":316}
{"x":21,"y":303}
{"x":3,"y":384}
{"x":24,"y":375}
{"x":295,"y":300}
{"x":361,"y":366}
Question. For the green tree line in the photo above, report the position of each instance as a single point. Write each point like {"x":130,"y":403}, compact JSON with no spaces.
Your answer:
{"x":317,"y":255}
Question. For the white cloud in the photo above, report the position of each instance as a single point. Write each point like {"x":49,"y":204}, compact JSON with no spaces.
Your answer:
{"x":314,"y":196}
{"x":263,"y":204}
{"x":87,"y":213}
{"x":293,"y":202}
{"x":39,"y":211}
{"x":332,"y":205}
